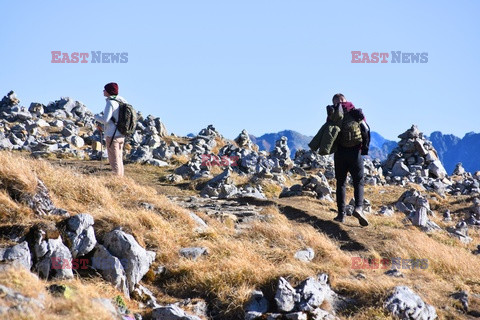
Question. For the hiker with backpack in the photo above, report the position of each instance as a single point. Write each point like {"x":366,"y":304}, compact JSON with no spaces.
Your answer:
{"x":347,"y":135}
{"x":114,"y":138}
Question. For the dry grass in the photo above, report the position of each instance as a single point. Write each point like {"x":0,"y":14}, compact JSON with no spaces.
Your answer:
{"x":238,"y":262}
{"x":79,"y":305}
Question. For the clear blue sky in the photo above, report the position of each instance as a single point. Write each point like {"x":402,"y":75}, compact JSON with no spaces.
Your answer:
{"x":264,"y":66}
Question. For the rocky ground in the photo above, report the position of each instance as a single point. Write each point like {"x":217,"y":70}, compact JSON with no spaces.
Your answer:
{"x":205,"y":227}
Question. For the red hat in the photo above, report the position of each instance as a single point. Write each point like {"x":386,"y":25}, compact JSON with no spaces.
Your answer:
{"x":111,"y":88}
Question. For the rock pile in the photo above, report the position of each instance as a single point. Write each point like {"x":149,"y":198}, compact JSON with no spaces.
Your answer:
{"x":222,"y":187}
{"x":416,"y":160}
{"x":66,"y":127}
{"x":301,"y":302}
{"x":417,"y":209}
{"x":315,"y":186}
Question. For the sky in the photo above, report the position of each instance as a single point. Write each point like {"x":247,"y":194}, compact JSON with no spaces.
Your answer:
{"x":260,"y":65}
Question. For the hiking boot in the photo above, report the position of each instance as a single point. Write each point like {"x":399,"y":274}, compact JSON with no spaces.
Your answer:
{"x":358,"y":213}
{"x":340,"y":217}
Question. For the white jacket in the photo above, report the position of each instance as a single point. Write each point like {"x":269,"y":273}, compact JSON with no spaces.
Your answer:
{"x":111,"y":110}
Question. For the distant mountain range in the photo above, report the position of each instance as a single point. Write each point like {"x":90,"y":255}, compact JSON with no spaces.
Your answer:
{"x":379,"y":146}
{"x":450,"y":148}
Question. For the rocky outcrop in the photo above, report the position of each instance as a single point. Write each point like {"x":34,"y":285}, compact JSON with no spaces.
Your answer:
{"x":135,"y":260}
{"x":403,"y":303}
{"x":295,"y":303}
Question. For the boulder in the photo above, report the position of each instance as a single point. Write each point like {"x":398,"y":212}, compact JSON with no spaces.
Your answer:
{"x":79,"y":230}
{"x":305,"y":255}
{"x":110,"y":268}
{"x":193,"y":253}
{"x":285,"y":296}
{"x":135,"y":260}
{"x":405,"y":304}
{"x":18,"y":255}
{"x":257,"y":303}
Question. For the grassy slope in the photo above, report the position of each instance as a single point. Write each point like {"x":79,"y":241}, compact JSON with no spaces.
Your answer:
{"x":238,"y":261}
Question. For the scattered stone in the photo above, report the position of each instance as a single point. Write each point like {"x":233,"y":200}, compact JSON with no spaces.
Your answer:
{"x":477,"y":251}
{"x":41,"y":202}
{"x":144,"y":295}
{"x":305,"y":255}
{"x":386,"y":211}
{"x":447,"y":217}
{"x":171,"y":312}
{"x":21,"y":304}
{"x":147,"y":206}
{"x":462,"y":296}
{"x":193,"y":253}
{"x":460,"y":232}
{"x":201,"y":225}
{"x":360,"y":276}
{"x":405,"y":304}
{"x":52,"y":256}
{"x":394,"y":273}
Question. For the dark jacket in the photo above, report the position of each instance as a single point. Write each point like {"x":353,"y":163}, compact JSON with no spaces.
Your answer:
{"x":325,"y":139}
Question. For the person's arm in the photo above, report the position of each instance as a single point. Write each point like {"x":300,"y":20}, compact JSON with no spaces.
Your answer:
{"x":365,"y":130}
{"x":107,"y":113}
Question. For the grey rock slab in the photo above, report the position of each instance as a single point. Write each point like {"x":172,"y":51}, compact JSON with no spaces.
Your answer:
{"x":296,"y":316}
{"x":78,"y":141}
{"x":171,"y":312}
{"x":257,"y":303}
{"x":400,"y":169}
{"x":312,"y":294}
{"x":81,"y":234}
{"x":41,"y":203}
{"x":17,"y":254}
{"x":110,"y":268}
{"x":107,"y":305}
{"x":135,"y":259}
{"x":405,"y":304}
{"x":285,"y":296}
{"x":54,"y":259}
{"x":193,"y":253}
{"x":201,"y":225}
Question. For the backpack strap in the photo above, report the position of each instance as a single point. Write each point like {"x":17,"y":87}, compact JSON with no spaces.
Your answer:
{"x":113,"y":120}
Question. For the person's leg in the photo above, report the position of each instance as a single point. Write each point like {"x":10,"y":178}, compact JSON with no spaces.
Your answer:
{"x":110,"y":152}
{"x":113,"y":152}
{"x":341,"y":171}
{"x":357,"y":172}
{"x":121,"y":143}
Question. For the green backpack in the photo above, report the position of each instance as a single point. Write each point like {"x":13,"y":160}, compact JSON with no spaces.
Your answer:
{"x":350,"y":132}
{"x":127,"y":119}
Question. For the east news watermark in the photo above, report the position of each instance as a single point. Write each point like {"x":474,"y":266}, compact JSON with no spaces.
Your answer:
{"x":86,"y":57}
{"x":388,"y":263}
{"x":389,"y":57}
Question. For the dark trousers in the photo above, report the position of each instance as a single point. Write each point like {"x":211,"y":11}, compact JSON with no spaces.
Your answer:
{"x":349,"y":160}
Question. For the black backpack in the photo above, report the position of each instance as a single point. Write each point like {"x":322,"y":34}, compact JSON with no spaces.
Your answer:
{"x":127,"y":119}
